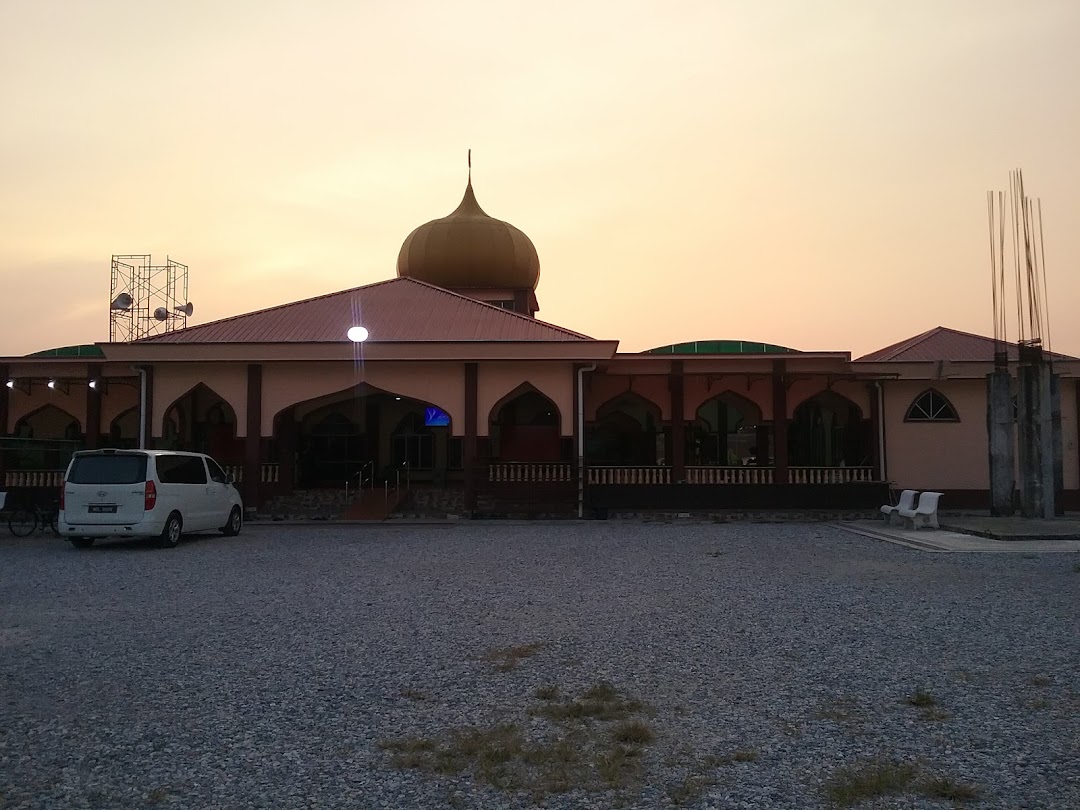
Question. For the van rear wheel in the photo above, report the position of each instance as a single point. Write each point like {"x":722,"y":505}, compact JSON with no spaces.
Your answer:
{"x":170,"y":535}
{"x":236,"y":520}
{"x":82,"y":542}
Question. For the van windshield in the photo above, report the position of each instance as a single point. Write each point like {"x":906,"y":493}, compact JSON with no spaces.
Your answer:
{"x":126,"y":469}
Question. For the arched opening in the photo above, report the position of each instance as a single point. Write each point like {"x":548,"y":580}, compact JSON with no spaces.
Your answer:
{"x":124,"y":430}
{"x":48,"y":422}
{"x":364,"y":434}
{"x":43,"y":439}
{"x":525,"y":427}
{"x":203,"y":422}
{"x":628,"y":431}
{"x":828,"y":430}
{"x":728,"y":432}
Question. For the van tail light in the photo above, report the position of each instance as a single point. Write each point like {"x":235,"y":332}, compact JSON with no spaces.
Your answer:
{"x":150,"y":499}
{"x":63,"y":486}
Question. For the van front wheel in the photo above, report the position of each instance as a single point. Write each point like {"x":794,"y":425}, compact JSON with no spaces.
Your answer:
{"x":236,"y":520}
{"x":170,"y":535}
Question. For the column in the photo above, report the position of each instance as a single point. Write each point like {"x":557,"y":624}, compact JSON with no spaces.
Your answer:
{"x":678,"y":424}
{"x":780,"y":422}
{"x":5,"y":394}
{"x":286,"y":447}
{"x":148,"y":408}
{"x":93,"y":407}
{"x":1001,"y":432}
{"x":252,"y":456}
{"x":875,"y":432}
{"x":469,"y":446}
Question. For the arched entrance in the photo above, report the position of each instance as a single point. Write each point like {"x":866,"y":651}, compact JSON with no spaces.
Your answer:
{"x":48,"y":422}
{"x":525,"y":427}
{"x":727,"y":432}
{"x":628,"y":431}
{"x":365,"y":434}
{"x":124,"y":430}
{"x":828,"y":430}
{"x":202,"y":422}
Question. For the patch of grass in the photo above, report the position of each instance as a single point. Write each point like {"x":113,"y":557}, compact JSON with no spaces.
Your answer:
{"x":412,"y":694}
{"x":156,"y":796}
{"x":942,"y":787}
{"x":618,"y":764}
{"x":633,"y":732}
{"x":690,"y":789}
{"x":589,"y":756}
{"x":870,"y":780}
{"x":602,"y":701}
{"x":506,"y":659}
{"x":934,"y":714}
{"x":1040,"y":680}
{"x":745,"y":755}
{"x":1076,"y":568}
{"x":922,"y":699}
{"x":546,"y":692}
{"x":409,"y":752}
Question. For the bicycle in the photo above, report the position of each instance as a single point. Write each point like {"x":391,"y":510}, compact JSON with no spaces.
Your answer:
{"x":24,"y":521}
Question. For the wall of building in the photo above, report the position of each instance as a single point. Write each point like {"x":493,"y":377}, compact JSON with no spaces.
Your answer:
{"x":498,"y":380}
{"x":173,"y":380}
{"x":937,"y":455}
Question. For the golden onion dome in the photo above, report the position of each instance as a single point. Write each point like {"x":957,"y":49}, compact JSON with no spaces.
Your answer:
{"x":470,"y":250}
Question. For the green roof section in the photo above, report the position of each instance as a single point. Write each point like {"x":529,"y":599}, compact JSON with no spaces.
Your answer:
{"x":90,"y":350}
{"x":721,"y":347}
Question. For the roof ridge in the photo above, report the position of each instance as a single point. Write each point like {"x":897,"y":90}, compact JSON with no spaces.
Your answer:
{"x":190,"y":329}
{"x":478,"y":302}
{"x":893,"y":349}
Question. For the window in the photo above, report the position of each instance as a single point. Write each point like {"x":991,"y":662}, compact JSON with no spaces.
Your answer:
{"x":118,"y":469}
{"x":181,"y":470}
{"x":216,"y":473}
{"x":930,"y":406}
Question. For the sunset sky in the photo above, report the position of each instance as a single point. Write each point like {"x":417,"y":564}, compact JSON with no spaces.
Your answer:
{"x":811,"y":174}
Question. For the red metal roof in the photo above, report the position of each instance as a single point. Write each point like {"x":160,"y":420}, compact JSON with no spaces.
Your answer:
{"x":398,"y":310}
{"x":942,"y":343}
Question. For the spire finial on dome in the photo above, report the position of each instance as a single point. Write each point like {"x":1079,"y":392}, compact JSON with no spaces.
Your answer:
{"x":470,"y":166}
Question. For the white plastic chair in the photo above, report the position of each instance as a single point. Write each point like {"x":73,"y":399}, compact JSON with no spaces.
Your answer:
{"x":907,"y":501}
{"x":925,"y":514}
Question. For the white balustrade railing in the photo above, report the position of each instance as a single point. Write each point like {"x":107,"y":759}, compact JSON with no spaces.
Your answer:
{"x":529,"y":472}
{"x":268,"y":473}
{"x":629,"y":475}
{"x":729,"y":475}
{"x":33,"y":478}
{"x":829,"y":475}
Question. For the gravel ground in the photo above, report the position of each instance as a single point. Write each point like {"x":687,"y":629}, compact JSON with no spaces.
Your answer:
{"x":263,"y":671}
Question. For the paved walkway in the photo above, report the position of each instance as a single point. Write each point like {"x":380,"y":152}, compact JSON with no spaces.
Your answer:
{"x":1013,"y":528}
{"x":944,"y":540}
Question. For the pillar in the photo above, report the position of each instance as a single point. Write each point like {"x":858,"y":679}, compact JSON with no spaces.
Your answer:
{"x":761,"y":440}
{"x":469,"y":445}
{"x":875,"y":432}
{"x":252,"y":456}
{"x":1001,"y":435}
{"x":1036,"y":441}
{"x":1058,"y":447}
{"x":678,"y":422}
{"x":5,"y":405}
{"x":148,"y":409}
{"x":780,"y":422}
{"x":93,"y":407}
{"x":287,"y":436}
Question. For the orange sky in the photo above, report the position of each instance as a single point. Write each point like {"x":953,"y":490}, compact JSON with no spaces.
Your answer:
{"x":809,"y":174}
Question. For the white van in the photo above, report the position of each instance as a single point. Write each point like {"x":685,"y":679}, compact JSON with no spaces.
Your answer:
{"x":146,"y":493}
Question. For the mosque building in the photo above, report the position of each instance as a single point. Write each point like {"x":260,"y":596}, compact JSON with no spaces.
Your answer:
{"x":460,"y":388}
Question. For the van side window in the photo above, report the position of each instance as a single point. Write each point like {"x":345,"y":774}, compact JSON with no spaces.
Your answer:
{"x":216,"y":473}
{"x":181,"y":470}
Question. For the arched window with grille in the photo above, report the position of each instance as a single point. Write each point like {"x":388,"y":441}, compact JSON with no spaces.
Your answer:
{"x":931,"y":406}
